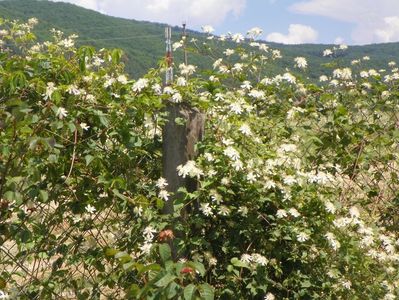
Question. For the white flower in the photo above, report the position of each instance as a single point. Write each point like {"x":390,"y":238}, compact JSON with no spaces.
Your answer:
{"x":122,"y":79}
{"x":246,"y":258}
{"x":330,"y":207}
{"x":138,"y":211}
{"x":289,"y":77}
{"x":343,"y":47}
{"x":212,"y":261}
{"x":276,"y":54}
{"x":177,"y":45}
{"x":148,"y":233}
{"x":189,"y":169}
{"x":97,"y":61}
{"x":245,"y":129}
{"x":225,"y":181}
{"x":323,"y":78}
{"x":161,"y":183}
{"x":181,"y":81}
{"x":237,"y":165}
{"x":163,"y":194}
{"x":177,"y":98}
{"x":157,"y":88}
{"x":49,"y":90}
{"x":251,"y":177}
{"x":366,"y":57}
{"x":289,"y":180}
{"x":354,"y":212}
{"x":73,"y":90}
{"x":168,"y":90}
{"x":385,"y":95}
{"x":238,"y":67}
{"x":264,"y":47}
{"x":237,"y":37}
{"x":301,"y":62}
{"x":67,"y":43}
{"x":209,"y":157}
{"x":187,"y":69}
{"x":246,"y":85}
{"x":243,"y":210}
{"x":327,"y":52}
{"x":342,"y":222}
{"x":269,"y":296}
{"x":346,"y":284}
{"x":231,"y":153}
{"x":3,"y":295}
{"x":281,"y":213}
{"x":254,"y":32}
{"x":259,"y":259}
{"x":332,"y":240}
{"x":90,"y":209}
{"x":269,"y":184}
{"x":84,"y":126}
{"x":228,"y":52}
{"x":224,"y":210}
{"x":61,"y":113}
{"x":302,"y":237}
{"x":109,"y":82}
{"x":206,"y":209}
{"x":293,"y":212}
{"x":140,"y":84}
{"x":146,"y":248}
{"x":217,"y":63}
{"x":257,"y":94}
{"x":207,"y":29}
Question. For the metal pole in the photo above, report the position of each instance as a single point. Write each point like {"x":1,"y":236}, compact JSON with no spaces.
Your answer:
{"x":169,"y":56}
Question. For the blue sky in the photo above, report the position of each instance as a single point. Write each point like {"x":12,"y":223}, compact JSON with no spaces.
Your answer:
{"x":287,"y":21}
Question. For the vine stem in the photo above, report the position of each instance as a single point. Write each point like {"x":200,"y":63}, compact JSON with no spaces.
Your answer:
{"x":73,"y":154}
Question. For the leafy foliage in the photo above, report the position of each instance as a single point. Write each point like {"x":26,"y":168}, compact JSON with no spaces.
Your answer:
{"x":297,"y":182}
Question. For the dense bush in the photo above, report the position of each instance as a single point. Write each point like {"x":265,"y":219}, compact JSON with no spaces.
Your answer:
{"x":297,"y":183}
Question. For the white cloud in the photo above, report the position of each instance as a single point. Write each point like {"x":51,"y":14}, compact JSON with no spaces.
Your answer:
{"x":194,"y":12}
{"x":297,"y":34}
{"x":374,"y":20}
{"x":339,"y":40}
{"x":390,"y":31}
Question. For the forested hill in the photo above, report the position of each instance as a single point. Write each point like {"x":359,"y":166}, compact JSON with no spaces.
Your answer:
{"x":143,"y":42}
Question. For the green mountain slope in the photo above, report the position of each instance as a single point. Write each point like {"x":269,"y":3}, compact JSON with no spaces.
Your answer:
{"x":143,"y":42}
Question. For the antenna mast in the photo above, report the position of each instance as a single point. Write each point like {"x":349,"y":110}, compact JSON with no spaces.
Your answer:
{"x":169,"y":56}
{"x":184,"y":37}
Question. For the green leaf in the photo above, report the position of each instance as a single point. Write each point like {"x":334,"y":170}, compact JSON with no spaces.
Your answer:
{"x":151,"y":267}
{"x":206,"y":292}
{"x":198,"y":266}
{"x":111,"y":252}
{"x":165,"y":280}
{"x":44,"y":195}
{"x":89,"y":159}
{"x":306,"y":284}
{"x":165,"y":252}
{"x":189,"y":292}
{"x":128,"y":266}
{"x":238,"y":263}
{"x":123,"y":256}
